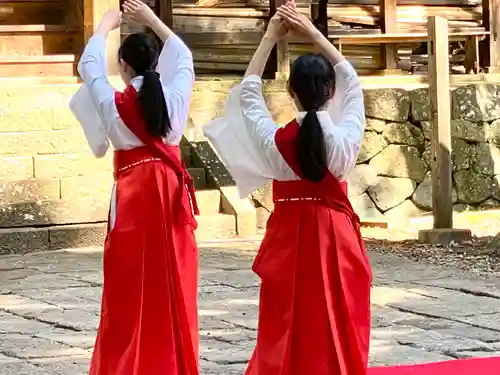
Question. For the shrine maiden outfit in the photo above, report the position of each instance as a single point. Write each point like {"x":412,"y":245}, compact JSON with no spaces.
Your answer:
{"x":149,"y":320}
{"x":314,"y":315}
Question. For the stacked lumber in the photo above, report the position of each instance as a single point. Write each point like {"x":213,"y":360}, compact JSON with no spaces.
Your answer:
{"x":419,"y":60}
{"x":222,"y":39}
{"x":235,"y":59}
{"x":265,"y":3}
{"x":223,"y":34}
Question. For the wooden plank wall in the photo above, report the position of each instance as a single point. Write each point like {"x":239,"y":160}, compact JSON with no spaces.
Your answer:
{"x":223,"y":38}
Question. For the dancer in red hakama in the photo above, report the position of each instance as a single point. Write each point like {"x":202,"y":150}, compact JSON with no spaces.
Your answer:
{"x":314,"y":316}
{"x":149,"y":310}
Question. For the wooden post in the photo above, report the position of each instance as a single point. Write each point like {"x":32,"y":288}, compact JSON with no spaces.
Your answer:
{"x":388,"y":25}
{"x":471,"y":47}
{"x":319,"y":15}
{"x":281,"y":51}
{"x":439,"y":100}
{"x":93,"y":10}
{"x":166,"y":12}
{"x":490,"y":46}
{"x":440,"y":113}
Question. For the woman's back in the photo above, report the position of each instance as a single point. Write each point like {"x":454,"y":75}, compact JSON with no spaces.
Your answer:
{"x":314,"y":315}
{"x":149,"y":319}
{"x":341,"y":120}
{"x":314,"y":308}
{"x":249,"y":125}
{"x":175,"y":68}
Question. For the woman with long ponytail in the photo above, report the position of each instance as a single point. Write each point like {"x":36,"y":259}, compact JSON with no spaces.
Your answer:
{"x":149,"y":321}
{"x":314,"y":311}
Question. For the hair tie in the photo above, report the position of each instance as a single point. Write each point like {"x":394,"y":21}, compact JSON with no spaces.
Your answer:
{"x":147,"y":71}
{"x":151,"y":73}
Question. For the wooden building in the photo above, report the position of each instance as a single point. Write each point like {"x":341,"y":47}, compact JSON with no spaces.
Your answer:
{"x":45,"y":37}
{"x":375,"y":37}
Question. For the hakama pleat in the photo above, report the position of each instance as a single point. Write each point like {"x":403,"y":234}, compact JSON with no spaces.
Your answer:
{"x":149,"y":309}
{"x":314,"y":315}
{"x":149,"y":319}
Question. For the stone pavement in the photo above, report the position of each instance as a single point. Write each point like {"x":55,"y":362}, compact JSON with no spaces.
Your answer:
{"x":49,"y":310}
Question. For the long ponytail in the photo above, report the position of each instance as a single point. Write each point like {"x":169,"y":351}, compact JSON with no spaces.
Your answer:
{"x":141,"y":52}
{"x":154,"y":106}
{"x":312,"y":148}
{"x":312,"y":80}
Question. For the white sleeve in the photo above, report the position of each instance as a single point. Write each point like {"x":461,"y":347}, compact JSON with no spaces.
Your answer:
{"x":175,"y":66}
{"x":262,"y":128}
{"x":347,"y":112}
{"x":92,"y":70}
{"x":244,"y":137}
{"x":83,"y":109}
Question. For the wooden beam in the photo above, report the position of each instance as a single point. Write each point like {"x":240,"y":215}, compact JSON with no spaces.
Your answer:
{"x":166,"y":12}
{"x":440,"y":111}
{"x":282,"y":53}
{"x":319,"y":15}
{"x":93,"y":10}
{"x":490,"y":58}
{"x":283,"y":59}
{"x":408,"y":2}
{"x":388,"y":24}
{"x":442,"y":232}
{"x":399,"y":38}
{"x":471,"y":47}
{"x":224,"y":38}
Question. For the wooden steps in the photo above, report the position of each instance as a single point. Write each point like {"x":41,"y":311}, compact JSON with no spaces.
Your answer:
{"x":37,"y":28}
{"x":37,"y":50}
{"x":39,"y":38}
{"x":37,"y":66}
{"x":21,"y":12}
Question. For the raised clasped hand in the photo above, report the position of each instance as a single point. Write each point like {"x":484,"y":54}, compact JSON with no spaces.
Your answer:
{"x":278,"y":27}
{"x":139,"y":12}
{"x":111,"y":20}
{"x":297,"y":21}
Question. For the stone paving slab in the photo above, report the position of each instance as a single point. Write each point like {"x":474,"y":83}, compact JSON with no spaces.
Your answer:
{"x":10,"y":365}
{"x":49,"y":311}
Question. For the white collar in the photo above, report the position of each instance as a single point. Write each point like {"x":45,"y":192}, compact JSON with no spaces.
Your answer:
{"x":136,"y":82}
{"x":323,"y":116}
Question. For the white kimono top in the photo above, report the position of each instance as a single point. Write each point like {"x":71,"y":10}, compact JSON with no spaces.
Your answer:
{"x":94,"y":103}
{"x":244,"y":135}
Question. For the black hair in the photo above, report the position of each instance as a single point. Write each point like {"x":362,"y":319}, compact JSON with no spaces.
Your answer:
{"x":312,"y":80}
{"x":141,"y":52}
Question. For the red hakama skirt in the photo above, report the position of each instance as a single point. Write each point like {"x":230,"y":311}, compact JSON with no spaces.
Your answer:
{"x":314,"y":314}
{"x":149,"y":320}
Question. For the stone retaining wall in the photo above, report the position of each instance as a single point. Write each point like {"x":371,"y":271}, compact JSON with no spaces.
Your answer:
{"x":392,"y":178}
{"x":47,"y":173}
{"x":49,"y":177}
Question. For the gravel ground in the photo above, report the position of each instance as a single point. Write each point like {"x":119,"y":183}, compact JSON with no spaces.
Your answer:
{"x":467,"y":257}
{"x":474,"y":256}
